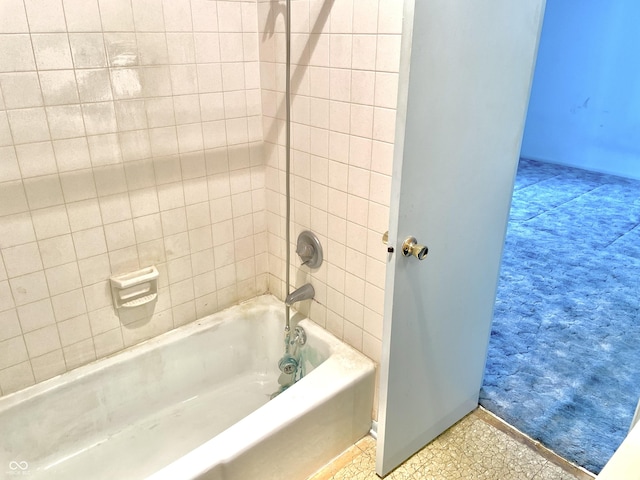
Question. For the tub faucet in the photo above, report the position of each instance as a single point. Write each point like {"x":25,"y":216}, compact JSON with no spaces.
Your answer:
{"x":305,"y":292}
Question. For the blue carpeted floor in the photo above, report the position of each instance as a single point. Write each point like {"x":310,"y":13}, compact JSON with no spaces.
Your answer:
{"x":564,"y":356}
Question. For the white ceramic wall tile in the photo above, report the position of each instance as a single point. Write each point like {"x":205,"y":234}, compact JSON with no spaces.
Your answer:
{"x":57,"y":250}
{"x":9,"y":325}
{"x":104,"y":149}
{"x":366,"y":84}
{"x":65,"y":121}
{"x":143,"y":202}
{"x":365,"y":16}
{"x":139,"y":174}
{"x":5,"y":133}
{"x":121,"y":49}
{"x":34,"y":316}
{"x":87,"y":50}
{"x":82,"y":15}
{"x":229,"y":16}
{"x":41,"y":341}
{"x":16,"y":229}
{"x":68,"y":305}
{"x":342,"y":16}
{"x":131,"y":115}
{"x":207,"y":47}
{"x":21,"y":259}
{"x":44,"y":191}
{"x":147,"y":15}
{"x":386,"y":90}
{"x":28,"y":125}
{"x":109,"y":180}
{"x":115,"y":208}
{"x":152,"y":48}
{"x":78,"y":185}
{"x":16,"y":53}
{"x":108,"y":342}
{"x":135,"y":145}
{"x":143,"y":329}
{"x":97,"y":295}
{"x":94,"y":269}
{"x":231,"y":47}
{"x":52,"y":51}
{"x":388,"y":53}
{"x":22,"y":90}
{"x":13,"y":198}
{"x":9,"y":169}
{"x":63,"y":278}
{"x":29,"y":288}
{"x":45,"y":15}
{"x":6,"y":298}
{"x":390,"y":17}
{"x":89,"y":242}
{"x":99,"y":118}
{"x":13,"y":352}
{"x":94,"y":85}
{"x":364,"y":52}
{"x":187,"y":109}
{"x":205,"y":16}
{"x":340,"y":84}
{"x":48,"y":365}
{"x":340,"y":51}
{"x":3,"y":272}
{"x":59,"y":87}
{"x":17,"y":377}
{"x":79,"y":354}
{"x":362,"y":120}
{"x":180,"y":47}
{"x":13,"y":18}
{"x":116,"y":15}
{"x":127,"y":83}
{"x":177,"y":15}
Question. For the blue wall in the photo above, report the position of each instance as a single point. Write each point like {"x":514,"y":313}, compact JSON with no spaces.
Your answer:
{"x":585,"y":101}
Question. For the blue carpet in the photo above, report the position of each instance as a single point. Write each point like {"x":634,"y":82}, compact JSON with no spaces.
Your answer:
{"x":564,"y":357}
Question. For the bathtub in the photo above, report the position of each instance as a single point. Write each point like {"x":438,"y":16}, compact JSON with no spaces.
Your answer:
{"x":193,"y":403}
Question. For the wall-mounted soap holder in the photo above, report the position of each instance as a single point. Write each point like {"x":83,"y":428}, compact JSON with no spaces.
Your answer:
{"x":135,"y":289}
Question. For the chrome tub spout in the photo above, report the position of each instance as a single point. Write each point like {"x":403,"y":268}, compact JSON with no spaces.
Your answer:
{"x":305,"y":292}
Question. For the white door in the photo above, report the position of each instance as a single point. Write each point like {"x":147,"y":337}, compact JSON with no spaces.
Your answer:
{"x":465,"y":76}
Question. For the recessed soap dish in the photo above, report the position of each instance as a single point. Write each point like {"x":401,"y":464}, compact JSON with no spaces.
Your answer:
{"x":135,"y":289}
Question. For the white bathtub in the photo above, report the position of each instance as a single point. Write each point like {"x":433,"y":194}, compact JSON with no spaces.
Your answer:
{"x":193,"y":403}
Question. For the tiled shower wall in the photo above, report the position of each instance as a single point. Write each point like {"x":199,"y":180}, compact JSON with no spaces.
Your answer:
{"x":130,"y":135}
{"x":345,"y":56}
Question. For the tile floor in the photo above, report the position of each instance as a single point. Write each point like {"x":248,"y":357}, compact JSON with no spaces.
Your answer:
{"x":478,"y":447}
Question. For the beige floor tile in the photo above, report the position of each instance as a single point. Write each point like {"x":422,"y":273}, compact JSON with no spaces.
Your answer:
{"x":360,"y":468}
{"x":403,"y":472}
{"x":367,"y":443}
{"x":471,"y":449}
{"x":553,"y":472}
